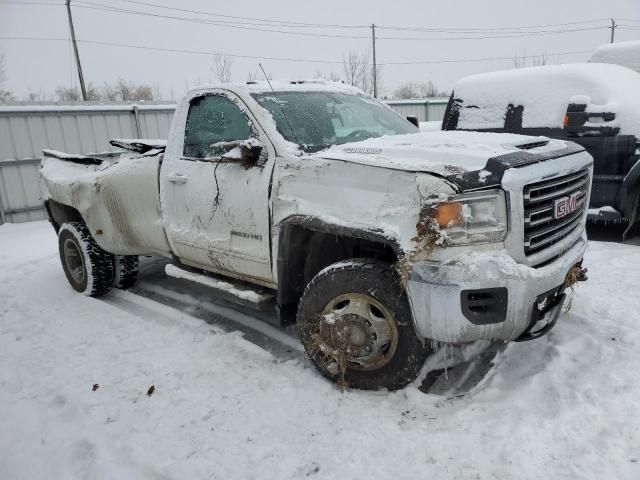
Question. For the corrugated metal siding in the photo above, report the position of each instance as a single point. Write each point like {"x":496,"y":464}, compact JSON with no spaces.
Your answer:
{"x":419,"y":109}
{"x":426,"y":110}
{"x":81,"y":128}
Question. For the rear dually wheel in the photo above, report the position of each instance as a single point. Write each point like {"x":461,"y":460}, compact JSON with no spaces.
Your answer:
{"x":88,"y":268}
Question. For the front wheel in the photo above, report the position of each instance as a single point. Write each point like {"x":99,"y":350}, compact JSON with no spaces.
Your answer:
{"x":356,"y":326}
{"x":88,"y":268}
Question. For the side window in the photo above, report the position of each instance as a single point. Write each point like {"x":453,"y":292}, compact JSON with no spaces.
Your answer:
{"x":213,"y":119}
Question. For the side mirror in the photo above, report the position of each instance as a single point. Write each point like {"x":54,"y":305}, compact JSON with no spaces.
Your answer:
{"x":413,"y":119}
{"x":246,"y":152}
{"x":250,"y":152}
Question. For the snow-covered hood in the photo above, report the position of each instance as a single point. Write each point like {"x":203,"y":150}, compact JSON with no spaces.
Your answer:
{"x":443,"y":153}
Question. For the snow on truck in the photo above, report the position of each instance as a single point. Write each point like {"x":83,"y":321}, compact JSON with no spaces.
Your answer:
{"x":378,"y":240}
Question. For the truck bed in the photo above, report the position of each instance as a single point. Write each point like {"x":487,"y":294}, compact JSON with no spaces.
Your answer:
{"x":116,"y":194}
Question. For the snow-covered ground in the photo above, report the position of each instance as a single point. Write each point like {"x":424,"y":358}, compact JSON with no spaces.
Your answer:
{"x":566,"y":406}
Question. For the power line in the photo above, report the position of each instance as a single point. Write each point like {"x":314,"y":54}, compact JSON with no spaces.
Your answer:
{"x":174,"y":50}
{"x":289,"y":23}
{"x":491,"y":59}
{"x":97,"y":6}
{"x":302,"y":60}
{"x":279,"y":22}
{"x":32,"y":3}
{"x":513,"y":35}
{"x":488,"y":29}
{"x":509,"y":32}
{"x":243,"y":24}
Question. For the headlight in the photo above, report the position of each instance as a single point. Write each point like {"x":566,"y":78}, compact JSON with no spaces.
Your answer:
{"x":473,"y":218}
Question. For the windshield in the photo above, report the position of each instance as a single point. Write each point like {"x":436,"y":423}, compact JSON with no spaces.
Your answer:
{"x":318,"y":120}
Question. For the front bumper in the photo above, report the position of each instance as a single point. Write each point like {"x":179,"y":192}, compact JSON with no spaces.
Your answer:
{"x":439,"y":293}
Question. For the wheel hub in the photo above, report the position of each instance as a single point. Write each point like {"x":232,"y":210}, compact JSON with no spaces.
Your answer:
{"x":358,"y":328}
{"x":74,"y":260}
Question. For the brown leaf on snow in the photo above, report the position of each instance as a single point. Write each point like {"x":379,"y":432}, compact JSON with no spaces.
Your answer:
{"x":152,"y":389}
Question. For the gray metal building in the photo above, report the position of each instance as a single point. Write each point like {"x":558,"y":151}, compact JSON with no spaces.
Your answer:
{"x":86,"y":128}
{"x":427,"y":110}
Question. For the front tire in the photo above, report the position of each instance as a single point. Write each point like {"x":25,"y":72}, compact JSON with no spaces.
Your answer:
{"x":355,"y":323}
{"x":88,"y":268}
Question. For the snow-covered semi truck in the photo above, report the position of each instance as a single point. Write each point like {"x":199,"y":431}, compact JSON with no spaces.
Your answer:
{"x":596,"y":105}
{"x":379,"y":241}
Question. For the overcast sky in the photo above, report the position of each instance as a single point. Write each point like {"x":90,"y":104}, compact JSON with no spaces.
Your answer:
{"x":43,"y":65}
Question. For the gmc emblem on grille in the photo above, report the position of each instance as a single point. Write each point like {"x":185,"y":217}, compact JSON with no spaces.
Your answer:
{"x":566,"y":205}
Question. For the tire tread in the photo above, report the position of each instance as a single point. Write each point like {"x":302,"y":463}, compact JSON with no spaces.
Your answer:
{"x":98,"y":263}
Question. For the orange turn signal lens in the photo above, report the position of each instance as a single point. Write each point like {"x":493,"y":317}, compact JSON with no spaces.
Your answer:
{"x":449,"y":214}
{"x":565,"y":122}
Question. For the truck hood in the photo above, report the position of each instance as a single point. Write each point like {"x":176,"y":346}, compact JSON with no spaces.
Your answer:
{"x":443,"y":153}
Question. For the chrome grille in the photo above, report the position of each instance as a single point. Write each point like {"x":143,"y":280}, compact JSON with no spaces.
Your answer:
{"x":542,"y":227}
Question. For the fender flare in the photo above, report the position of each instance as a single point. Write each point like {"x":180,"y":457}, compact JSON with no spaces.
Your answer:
{"x":288,"y":258}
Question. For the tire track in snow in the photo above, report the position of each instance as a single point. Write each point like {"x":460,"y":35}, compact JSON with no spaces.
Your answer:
{"x":168,"y":299}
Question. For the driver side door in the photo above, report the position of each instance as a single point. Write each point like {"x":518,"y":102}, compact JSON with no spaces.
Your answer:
{"x":216,"y":208}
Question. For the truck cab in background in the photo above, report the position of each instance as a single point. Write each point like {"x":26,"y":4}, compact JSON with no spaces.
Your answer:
{"x":594,"y":105}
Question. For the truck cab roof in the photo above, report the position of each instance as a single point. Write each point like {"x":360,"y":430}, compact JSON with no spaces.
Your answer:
{"x":282,"y":85}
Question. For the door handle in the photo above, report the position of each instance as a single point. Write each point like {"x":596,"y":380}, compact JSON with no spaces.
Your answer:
{"x":177,"y":178}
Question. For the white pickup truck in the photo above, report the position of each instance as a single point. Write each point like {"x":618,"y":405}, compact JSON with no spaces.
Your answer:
{"x":380,"y":241}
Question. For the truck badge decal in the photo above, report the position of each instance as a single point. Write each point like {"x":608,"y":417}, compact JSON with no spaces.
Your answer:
{"x":252,"y":236}
{"x":364,"y":150}
{"x":566,"y":205}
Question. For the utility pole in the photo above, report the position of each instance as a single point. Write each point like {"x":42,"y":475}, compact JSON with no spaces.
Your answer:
{"x":375,"y":67}
{"x":75,"y":50}
{"x":613,"y":28}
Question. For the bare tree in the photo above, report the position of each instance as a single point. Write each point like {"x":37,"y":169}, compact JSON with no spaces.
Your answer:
{"x":5,"y":95}
{"x":109,"y":92}
{"x":127,"y":91}
{"x":222,"y":68}
{"x":357,"y":70}
{"x":535,"y":60}
{"x":540,"y":60}
{"x":3,"y":69}
{"x":257,"y":76}
{"x":410,"y":90}
{"x":124,"y":89}
{"x":429,"y":90}
{"x":33,"y":96}
{"x":68,"y":94}
{"x":351,"y":67}
{"x":330,"y":76}
{"x":72,"y":94}
{"x":157,"y":95}
{"x":142,"y":92}
{"x":93,"y":93}
{"x":406,"y":91}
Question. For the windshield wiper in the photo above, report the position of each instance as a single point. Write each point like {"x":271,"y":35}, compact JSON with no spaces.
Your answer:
{"x":315,"y":148}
